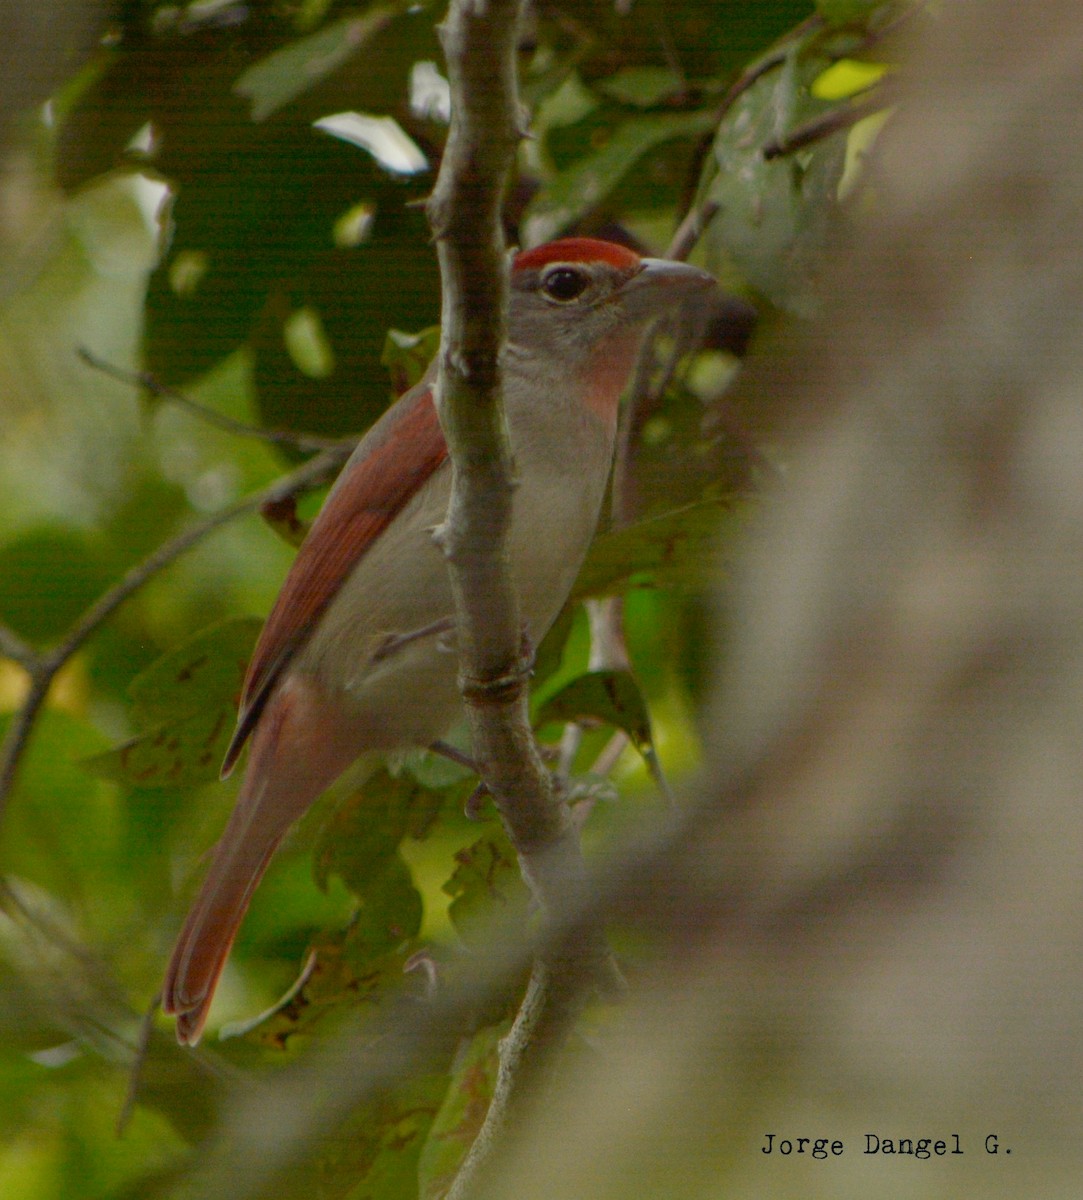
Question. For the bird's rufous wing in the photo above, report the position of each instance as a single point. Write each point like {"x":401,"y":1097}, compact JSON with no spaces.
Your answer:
{"x":392,"y":462}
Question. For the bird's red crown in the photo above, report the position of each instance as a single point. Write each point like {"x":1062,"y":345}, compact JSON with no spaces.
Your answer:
{"x":576,"y":250}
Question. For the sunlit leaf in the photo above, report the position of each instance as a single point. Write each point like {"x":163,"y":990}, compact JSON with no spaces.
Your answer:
{"x":383,"y":138}
{"x":306,"y":341}
{"x":846,"y":78}
{"x":407,"y":356}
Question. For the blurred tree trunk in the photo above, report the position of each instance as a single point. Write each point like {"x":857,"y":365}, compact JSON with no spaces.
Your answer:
{"x":44,"y":43}
{"x":880,"y":932}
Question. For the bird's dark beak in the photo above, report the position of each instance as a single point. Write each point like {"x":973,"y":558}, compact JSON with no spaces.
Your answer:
{"x":660,"y":282}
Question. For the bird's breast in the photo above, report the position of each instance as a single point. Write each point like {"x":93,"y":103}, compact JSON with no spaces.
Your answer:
{"x":386,"y":642}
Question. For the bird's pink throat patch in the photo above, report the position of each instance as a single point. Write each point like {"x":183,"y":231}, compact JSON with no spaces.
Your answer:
{"x":610,"y":366}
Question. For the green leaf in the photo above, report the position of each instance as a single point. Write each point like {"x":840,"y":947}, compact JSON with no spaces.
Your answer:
{"x":612,"y":697}
{"x":643,"y":87}
{"x":174,"y":1084}
{"x":584,"y":185}
{"x":287,"y":73}
{"x":674,"y":549}
{"x":56,"y":814}
{"x":487,"y":890}
{"x":381,"y":1144}
{"x":360,"y":844}
{"x":364,"y":831}
{"x":188,"y":699}
{"x":390,"y":912}
{"x":775,"y":217}
{"x":338,"y":975}
{"x":204,"y":672}
{"x":182,"y":753}
{"x":452,"y":1133}
{"x":407,"y":356}
{"x":33,"y":601}
{"x":844,"y":12}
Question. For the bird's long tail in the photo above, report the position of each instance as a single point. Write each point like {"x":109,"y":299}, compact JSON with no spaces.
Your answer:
{"x":298,"y":748}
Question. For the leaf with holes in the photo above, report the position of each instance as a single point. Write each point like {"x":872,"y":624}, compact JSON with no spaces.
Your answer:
{"x":473,"y":1077}
{"x":487,"y":890}
{"x":185,"y":702}
{"x":365,"y":830}
{"x":182,"y":753}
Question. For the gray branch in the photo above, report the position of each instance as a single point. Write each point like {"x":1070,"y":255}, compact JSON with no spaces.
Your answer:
{"x":480,"y":43}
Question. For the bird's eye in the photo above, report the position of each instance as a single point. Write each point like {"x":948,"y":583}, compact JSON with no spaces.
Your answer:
{"x":565,"y":283}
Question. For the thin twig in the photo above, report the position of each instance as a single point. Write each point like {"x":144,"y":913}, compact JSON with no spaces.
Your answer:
{"x":18,"y":732}
{"x":690,"y":230}
{"x":835,"y":121}
{"x":139,"y":1057}
{"x":12,"y":646}
{"x":465,"y":212}
{"x":772,"y":59}
{"x":45,"y":666}
{"x":546,"y":1015}
{"x":308,"y":475}
{"x":307,"y":443}
{"x":610,"y":753}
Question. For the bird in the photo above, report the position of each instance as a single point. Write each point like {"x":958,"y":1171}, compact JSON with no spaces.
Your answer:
{"x":358,"y":652}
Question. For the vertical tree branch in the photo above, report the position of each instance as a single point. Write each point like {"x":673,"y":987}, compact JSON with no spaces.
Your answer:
{"x":480,"y":41}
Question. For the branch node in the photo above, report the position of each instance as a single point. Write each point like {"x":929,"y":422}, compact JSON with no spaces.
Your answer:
{"x":496,"y":692}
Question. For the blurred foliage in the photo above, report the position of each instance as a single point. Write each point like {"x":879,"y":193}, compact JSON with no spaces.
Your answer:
{"x":174,"y":207}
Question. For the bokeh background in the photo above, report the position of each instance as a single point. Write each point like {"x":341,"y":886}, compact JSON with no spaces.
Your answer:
{"x":849,"y":577}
